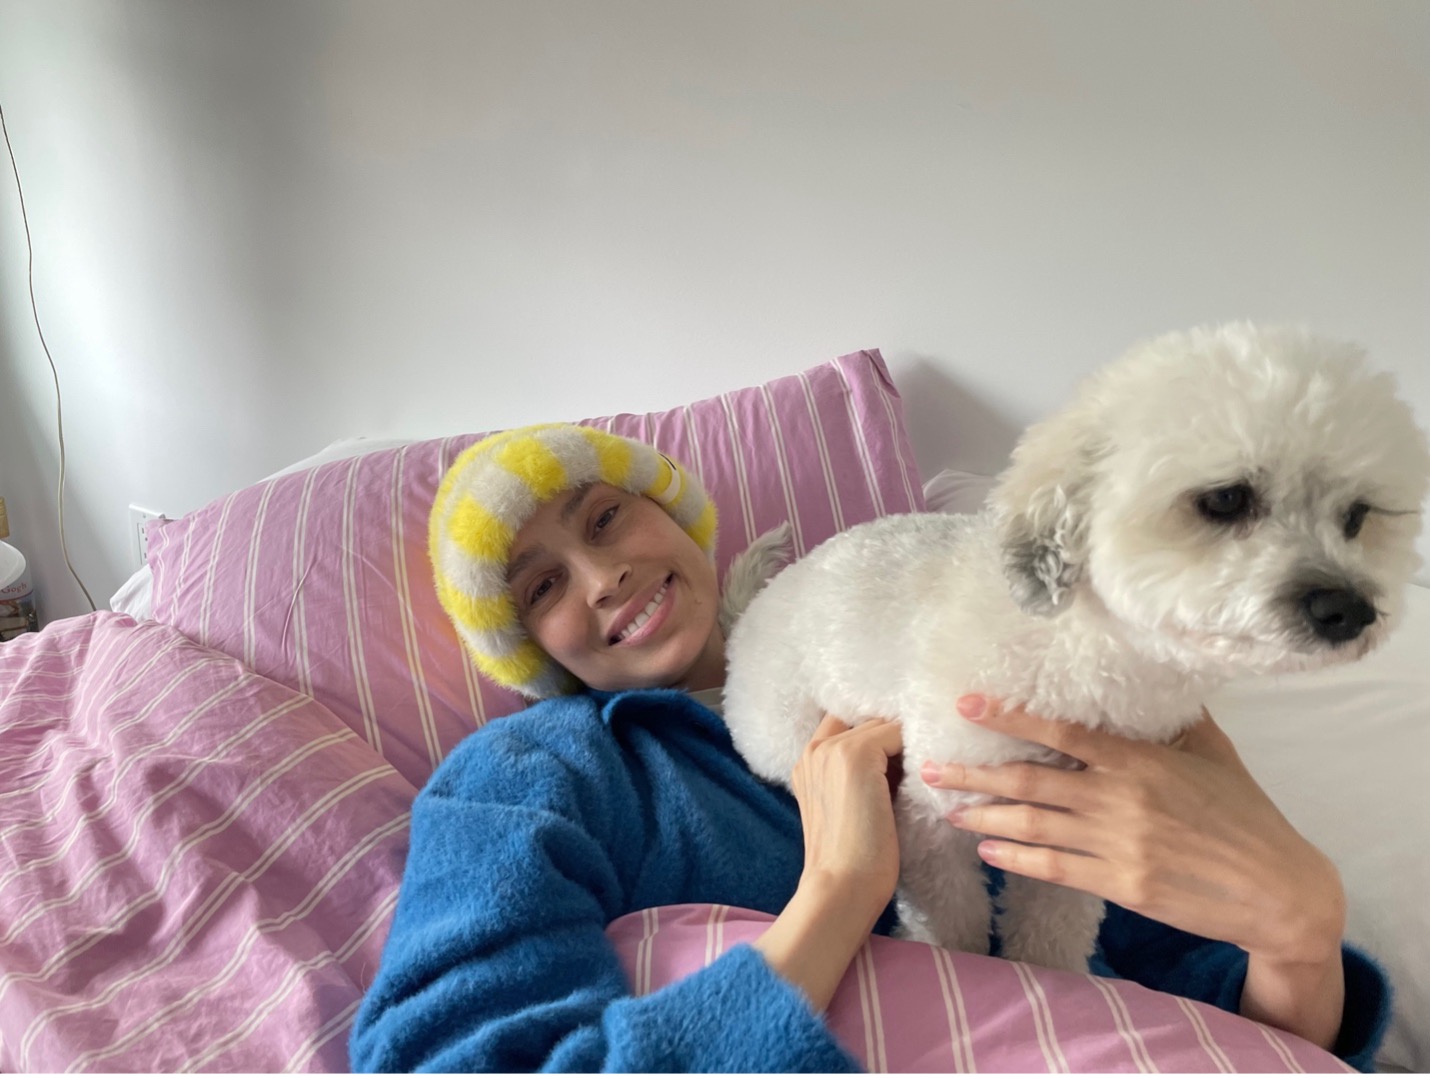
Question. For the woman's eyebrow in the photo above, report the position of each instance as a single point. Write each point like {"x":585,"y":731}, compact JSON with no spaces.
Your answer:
{"x":573,"y":503}
{"x":522,"y":560}
{"x":526,"y":557}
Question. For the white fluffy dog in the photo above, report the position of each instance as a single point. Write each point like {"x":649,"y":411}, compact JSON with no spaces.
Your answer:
{"x":1222,"y":501}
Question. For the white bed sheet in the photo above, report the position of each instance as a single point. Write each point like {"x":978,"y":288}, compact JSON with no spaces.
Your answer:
{"x":1345,"y":754}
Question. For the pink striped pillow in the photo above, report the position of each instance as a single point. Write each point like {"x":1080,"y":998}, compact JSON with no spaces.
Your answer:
{"x":197,"y":865}
{"x":320,"y":579}
{"x":907,"y":1007}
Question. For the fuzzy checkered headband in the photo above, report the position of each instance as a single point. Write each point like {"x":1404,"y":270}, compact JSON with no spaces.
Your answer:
{"x":492,"y":489}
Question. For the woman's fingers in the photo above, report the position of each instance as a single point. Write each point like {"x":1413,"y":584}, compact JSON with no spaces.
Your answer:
{"x":1028,"y":824}
{"x":1075,"y":870}
{"x":1095,"y":748}
{"x":1038,"y":783}
{"x":887,"y":735}
{"x":874,"y":744}
{"x":888,"y":738}
{"x":829,"y":726}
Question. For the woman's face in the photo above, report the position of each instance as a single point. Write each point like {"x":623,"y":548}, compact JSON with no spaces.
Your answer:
{"x":612,"y":589}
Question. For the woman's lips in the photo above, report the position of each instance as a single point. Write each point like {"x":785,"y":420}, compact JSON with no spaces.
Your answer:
{"x":654,"y":619}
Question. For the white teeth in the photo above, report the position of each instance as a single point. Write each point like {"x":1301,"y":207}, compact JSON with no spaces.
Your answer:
{"x":644,"y":616}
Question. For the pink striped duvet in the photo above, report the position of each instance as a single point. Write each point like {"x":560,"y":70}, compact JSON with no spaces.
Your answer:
{"x":197,"y":864}
{"x":907,"y":1007}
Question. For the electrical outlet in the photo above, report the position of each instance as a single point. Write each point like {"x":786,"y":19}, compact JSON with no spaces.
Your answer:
{"x":138,"y":544}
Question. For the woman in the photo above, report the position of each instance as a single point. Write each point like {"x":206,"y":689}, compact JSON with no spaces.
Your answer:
{"x":577,"y":567}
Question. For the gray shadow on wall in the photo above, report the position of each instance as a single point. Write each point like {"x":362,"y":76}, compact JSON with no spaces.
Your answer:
{"x":29,"y":471}
{"x":950,"y":427}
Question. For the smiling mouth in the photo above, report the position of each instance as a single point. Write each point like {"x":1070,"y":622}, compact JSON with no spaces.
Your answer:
{"x":638,"y":622}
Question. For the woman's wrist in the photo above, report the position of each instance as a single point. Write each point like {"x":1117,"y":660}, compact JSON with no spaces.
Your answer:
{"x":816,"y":936}
{"x":1304,"y":998}
{"x":1296,"y":981}
{"x":1311,"y":922}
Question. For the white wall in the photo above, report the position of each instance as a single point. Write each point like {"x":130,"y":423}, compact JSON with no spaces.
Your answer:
{"x":265,"y":225}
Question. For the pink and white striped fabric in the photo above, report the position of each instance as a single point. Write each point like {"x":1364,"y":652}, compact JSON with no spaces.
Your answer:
{"x":320,"y":579}
{"x":907,"y":1007}
{"x":197,"y":864}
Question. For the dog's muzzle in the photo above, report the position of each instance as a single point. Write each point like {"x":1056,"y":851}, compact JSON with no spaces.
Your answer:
{"x":1336,"y":615}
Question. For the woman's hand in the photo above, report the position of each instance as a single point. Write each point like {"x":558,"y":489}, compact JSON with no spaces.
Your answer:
{"x":1180,"y":833}
{"x":843,"y":784}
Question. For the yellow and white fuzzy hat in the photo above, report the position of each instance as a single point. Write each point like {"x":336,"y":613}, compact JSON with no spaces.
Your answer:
{"x":492,"y":489}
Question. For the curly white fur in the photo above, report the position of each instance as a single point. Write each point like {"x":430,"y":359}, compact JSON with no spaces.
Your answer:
{"x":1097,"y":588}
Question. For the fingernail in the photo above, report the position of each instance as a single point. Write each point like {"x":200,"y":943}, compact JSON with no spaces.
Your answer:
{"x":972,"y":707}
{"x":989,"y":851}
{"x":955,"y":817}
{"x":930,"y":772}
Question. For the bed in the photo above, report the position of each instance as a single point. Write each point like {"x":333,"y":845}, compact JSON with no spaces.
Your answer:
{"x":204,"y":791}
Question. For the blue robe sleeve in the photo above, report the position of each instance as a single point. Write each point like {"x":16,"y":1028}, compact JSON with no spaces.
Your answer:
{"x":1169,"y":960}
{"x":497,"y":958}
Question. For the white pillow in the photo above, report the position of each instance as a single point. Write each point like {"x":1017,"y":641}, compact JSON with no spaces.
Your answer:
{"x":340,"y":450}
{"x":135,"y":596}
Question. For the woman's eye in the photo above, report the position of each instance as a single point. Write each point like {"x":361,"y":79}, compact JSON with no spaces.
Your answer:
{"x":540,"y":590}
{"x":1355,"y":517}
{"x":605,"y":518}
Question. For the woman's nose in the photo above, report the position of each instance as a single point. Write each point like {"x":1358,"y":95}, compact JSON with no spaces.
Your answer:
{"x":604,"y":578}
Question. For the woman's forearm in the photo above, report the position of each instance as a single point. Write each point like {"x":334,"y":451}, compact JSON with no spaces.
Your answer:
{"x":1296,"y":979}
{"x":1307,"y":999}
{"x":851,"y":855}
{"x":813,"y":941}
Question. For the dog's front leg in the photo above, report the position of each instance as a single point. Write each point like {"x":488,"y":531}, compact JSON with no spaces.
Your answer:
{"x":1048,"y":925}
{"x":942,"y":898}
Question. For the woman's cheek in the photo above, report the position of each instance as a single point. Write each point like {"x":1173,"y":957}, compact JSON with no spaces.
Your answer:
{"x":571,"y":636}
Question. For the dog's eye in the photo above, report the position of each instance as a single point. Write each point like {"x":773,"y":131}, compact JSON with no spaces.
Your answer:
{"x":1355,"y":517}
{"x":1226,"y":505}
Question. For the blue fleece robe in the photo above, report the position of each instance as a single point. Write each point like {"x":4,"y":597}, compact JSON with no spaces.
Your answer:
{"x":543,"y":827}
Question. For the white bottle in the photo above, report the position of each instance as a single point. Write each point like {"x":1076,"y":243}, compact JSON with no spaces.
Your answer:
{"x":17,"y":594}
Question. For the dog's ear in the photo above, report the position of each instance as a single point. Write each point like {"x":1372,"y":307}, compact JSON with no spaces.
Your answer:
{"x":751,"y":570}
{"x":1040,"y":507}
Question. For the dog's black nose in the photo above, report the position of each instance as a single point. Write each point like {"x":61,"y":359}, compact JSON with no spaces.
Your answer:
{"x":1337,"y":614}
